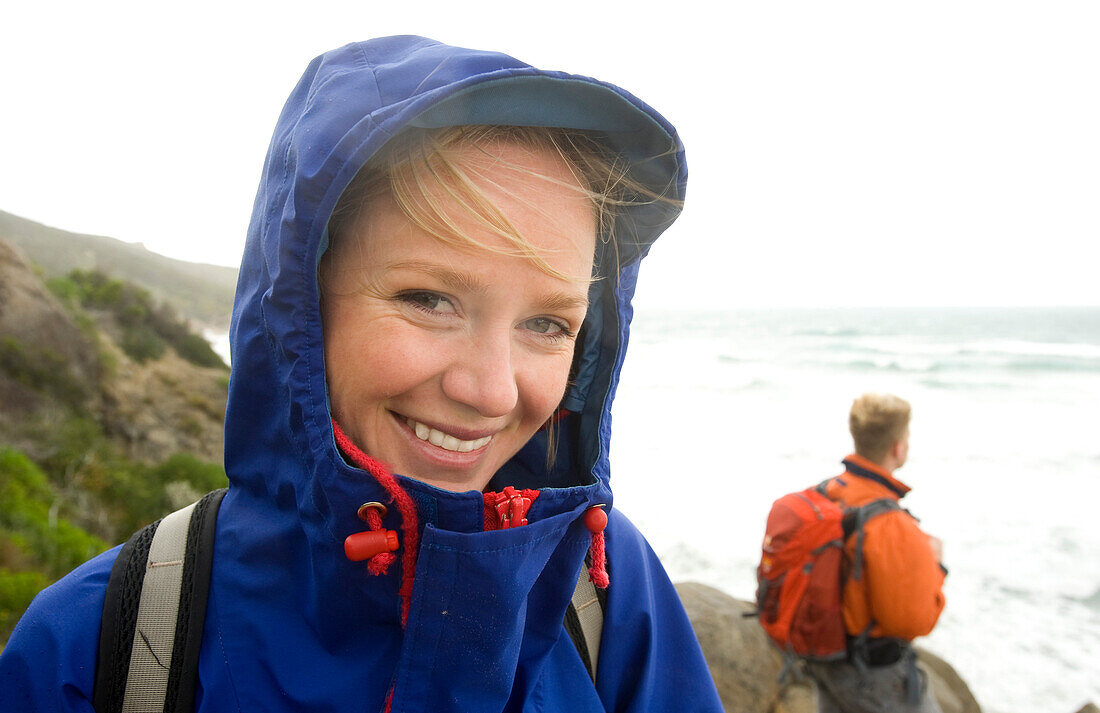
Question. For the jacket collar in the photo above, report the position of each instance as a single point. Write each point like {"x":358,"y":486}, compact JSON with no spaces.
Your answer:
{"x":861,"y":467}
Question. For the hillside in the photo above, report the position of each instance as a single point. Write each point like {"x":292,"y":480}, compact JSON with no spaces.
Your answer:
{"x":111,"y":415}
{"x":201,"y":293}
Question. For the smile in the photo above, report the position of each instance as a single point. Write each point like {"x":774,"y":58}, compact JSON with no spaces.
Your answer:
{"x":444,"y":440}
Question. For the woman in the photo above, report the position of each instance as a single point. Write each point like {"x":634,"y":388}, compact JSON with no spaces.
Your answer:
{"x":432,"y":311}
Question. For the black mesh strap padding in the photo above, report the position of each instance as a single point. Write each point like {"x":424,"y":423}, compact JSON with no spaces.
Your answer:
{"x":197,"y":564}
{"x":120,"y":607}
{"x":120,"y":612}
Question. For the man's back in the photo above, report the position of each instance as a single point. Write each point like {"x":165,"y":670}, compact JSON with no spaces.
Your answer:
{"x":893,"y":579}
{"x":901,"y":587}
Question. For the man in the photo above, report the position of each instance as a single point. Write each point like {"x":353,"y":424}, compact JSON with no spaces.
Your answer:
{"x":893,"y":588}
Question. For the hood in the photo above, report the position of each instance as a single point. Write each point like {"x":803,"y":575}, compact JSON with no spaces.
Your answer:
{"x":293,"y":624}
{"x":346,"y":106}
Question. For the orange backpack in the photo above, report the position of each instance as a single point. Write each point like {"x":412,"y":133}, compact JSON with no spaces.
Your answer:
{"x":800,"y":578}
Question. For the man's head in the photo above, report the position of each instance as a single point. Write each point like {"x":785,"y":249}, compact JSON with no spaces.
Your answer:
{"x":879,"y":424}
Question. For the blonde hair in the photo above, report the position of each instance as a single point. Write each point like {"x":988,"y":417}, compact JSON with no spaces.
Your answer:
{"x":417,"y":163}
{"x":877,"y":422}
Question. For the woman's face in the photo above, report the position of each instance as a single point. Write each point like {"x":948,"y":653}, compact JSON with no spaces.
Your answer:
{"x":443,"y":361}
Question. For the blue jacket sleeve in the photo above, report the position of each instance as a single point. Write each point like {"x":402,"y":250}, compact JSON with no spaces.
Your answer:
{"x":650,"y":658}
{"x":48,"y":663}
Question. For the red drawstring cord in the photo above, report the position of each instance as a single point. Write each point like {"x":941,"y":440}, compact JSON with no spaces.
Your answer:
{"x":595,"y":519}
{"x":379,"y":563}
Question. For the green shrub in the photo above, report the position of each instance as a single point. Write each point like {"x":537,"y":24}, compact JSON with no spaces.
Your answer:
{"x":198,"y":351}
{"x":17,"y":589}
{"x":70,"y":445}
{"x":184,"y":467}
{"x":40,"y":369}
{"x":33,"y":522}
{"x":142,"y":345}
{"x":99,"y":290}
{"x":147,"y":329}
{"x":65,"y":289}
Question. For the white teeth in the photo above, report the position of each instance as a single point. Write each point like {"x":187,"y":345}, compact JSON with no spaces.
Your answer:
{"x":444,"y":440}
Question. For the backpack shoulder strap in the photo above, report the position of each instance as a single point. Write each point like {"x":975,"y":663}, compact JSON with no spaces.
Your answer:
{"x":854,"y":521}
{"x":877,"y":507}
{"x":153,"y":613}
{"x":584,"y":620}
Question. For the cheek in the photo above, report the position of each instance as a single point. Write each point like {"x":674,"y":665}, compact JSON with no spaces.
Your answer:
{"x":384,"y":361}
{"x":543,"y":386}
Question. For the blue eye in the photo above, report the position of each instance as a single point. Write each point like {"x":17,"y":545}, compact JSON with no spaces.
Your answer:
{"x":547,"y":326}
{"x":428,"y":301}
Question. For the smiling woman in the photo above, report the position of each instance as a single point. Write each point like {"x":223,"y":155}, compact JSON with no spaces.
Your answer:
{"x":470,"y":344}
{"x":438,"y":277}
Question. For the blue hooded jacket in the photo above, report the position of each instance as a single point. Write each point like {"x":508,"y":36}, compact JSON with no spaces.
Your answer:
{"x":292,"y":624}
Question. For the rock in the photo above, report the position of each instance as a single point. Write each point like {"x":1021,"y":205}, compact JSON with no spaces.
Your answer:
{"x":744,"y":664}
{"x":1089,"y":708}
{"x":951,"y":691}
{"x":746,"y":667}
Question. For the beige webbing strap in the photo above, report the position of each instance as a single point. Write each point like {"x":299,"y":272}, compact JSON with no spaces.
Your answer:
{"x":155,"y":633}
{"x":590,"y":614}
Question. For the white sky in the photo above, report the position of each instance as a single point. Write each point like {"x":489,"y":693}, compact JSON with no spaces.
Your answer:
{"x":841,"y":153}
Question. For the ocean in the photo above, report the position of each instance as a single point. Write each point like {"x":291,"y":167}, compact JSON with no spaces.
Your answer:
{"x":720,"y":413}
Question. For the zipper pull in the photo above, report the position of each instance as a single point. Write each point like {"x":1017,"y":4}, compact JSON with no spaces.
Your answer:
{"x":512,"y":508}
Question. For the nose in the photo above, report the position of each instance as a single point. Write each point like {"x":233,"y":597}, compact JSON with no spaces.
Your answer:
{"x":483,"y":376}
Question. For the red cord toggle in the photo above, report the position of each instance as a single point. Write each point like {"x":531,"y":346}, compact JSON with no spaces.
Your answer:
{"x":595,"y":519}
{"x":364,"y":545}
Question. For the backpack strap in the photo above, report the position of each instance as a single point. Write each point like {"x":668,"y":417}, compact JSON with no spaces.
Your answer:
{"x":855,"y":520}
{"x":154,"y":611}
{"x":584,"y":620}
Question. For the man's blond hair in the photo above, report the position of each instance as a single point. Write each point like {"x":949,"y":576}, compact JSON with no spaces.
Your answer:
{"x":877,"y":422}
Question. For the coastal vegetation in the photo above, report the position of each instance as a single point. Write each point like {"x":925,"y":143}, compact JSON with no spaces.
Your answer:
{"x":111,"y":411}
{"x":145,"y":330}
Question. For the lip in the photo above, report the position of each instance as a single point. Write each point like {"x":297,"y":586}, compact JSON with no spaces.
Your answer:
{"x":438,"y":456}
{"x":463,"y":434}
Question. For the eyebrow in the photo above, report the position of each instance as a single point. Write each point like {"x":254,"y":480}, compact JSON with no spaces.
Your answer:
{"x":458,"y":280}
